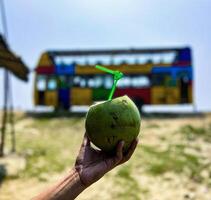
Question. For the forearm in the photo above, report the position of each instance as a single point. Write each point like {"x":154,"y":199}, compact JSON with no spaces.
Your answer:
{"x":66,"y":189}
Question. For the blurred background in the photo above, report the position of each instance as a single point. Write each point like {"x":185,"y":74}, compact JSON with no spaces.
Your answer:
{"x":173,"y":159}
{"x":37,"y":26}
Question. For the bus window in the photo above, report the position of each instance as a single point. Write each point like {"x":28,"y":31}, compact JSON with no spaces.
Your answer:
{"x":140,"y":81}
{"x":98,"y":81}
{"x":125,"y":82}
{"x":91,"y":82}
{"x":83,"y":83}
{"x":79,"y":81}
{"x":41,"y":83}
{"x":76,"y":81}
{"x":108,"y":82}
{"x":52,"y":83}
{"x":95,"y":81}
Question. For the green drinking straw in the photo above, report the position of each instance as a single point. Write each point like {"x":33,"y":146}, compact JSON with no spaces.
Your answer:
{"x":117,"y":76}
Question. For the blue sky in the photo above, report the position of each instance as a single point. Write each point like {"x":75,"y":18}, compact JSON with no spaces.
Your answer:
{"x":37,"y":25}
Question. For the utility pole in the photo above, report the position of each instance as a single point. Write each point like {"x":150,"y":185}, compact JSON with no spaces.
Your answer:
{"x":7,"y":92}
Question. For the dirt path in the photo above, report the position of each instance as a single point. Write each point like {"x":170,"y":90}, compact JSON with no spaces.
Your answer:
{"x":132,"y":181}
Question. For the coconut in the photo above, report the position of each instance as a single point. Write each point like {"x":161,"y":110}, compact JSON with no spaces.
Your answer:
{"x":111,"y":121}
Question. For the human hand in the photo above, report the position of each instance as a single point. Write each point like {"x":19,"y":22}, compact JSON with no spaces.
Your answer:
{"x":91,"y":164}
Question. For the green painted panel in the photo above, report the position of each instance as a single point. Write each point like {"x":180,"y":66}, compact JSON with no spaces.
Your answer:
{"x":100,"y":94}
{"x":63,"y":82}
{"x":171,"y":83}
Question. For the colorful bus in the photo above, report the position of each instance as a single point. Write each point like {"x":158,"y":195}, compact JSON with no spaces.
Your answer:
{"x":151,"y":76}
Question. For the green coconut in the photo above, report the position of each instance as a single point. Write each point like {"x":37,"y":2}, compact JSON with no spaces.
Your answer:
{"x":109,"y":122}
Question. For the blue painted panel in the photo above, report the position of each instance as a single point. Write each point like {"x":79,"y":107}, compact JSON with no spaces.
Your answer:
{"x":184,"y":55}
{"x":174,"y":71}
{"x":64,"y":69}
{"x":188,"y":72}
{"x":64,"y":97}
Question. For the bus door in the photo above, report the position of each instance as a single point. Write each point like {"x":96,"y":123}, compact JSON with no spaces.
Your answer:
{"x":184,"y":77}
{"x":40,"y":88}
{"x":184,"y":83}
{"x":64,"y":92}
{"x":172,"y":90}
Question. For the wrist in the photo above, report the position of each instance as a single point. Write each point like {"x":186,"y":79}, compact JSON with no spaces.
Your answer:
{"x":75,"y":185}
{"x":67,"y":189}
{"x":77,"y":178}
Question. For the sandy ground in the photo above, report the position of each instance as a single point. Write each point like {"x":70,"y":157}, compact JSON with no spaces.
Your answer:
{"x":156,"y":132}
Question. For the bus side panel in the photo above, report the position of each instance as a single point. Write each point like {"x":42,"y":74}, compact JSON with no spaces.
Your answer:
{"x":36,"y":93}
{"x":64,"y":98}
{"x":172,"y":95}
{"x":127,"y":69}
{"x":100,"y":94}
{"x":80,"y":69}
{"x":45,"y":70}
{"x":36,"y":97}
{"x":165,"y":95}
{"x":51,"y":98}
{"x":141,"y":95}
{"x":190,"y":93}
{"x":45,"y":60}
{"x":158,"y":95}
{"x":133,"y":69}
{"x":81,"y":96}
{"x":163,"y":65}
{"x":63,"y":69}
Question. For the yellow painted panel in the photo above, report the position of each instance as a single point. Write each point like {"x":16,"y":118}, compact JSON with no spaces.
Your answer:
{"x":163,"y":64}
{"x":51,"y":98}
{"x":36,"y":97}
{"x":80,"y":69}
{"x":172,"y":95}
{"x":158,"y":95}
{"x":134,"y":69}
{"x":81,"y":96}
{"x":126,"y":69}
{"x":45,"y":60}
{"x":36,"y":100}
{"x":190,"y":94}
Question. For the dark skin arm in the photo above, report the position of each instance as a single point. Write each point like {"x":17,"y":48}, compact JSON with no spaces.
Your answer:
{"x":90,"y":166}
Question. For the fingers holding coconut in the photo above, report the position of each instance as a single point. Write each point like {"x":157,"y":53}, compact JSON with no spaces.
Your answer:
{"x":120,"y":158}
{"x":116,"y":159}
{"x":119,"y":152}
{"x":130,"y":151}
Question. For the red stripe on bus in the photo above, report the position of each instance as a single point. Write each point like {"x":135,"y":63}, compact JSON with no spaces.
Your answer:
{"x":142,"y":94}
{"x":45,"y":70}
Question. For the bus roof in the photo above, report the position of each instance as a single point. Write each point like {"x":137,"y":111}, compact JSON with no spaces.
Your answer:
{"x":132,"y":51}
